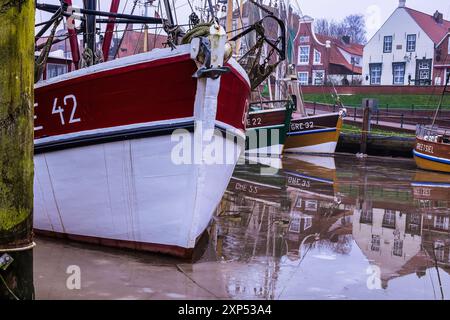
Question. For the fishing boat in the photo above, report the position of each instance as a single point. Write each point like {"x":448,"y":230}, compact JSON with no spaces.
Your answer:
{"x":432,"y":148}
{"x":431,"y":186}
{"x":267,"y":127}
{"x":313,"y":133}
{"x":137,"y":152}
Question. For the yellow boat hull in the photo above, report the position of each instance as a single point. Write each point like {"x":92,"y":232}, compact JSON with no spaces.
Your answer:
{"x":428,"y":164}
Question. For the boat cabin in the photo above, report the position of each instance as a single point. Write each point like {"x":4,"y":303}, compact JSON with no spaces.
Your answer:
{"x":57,"y":64}
{"x":437,"y":135}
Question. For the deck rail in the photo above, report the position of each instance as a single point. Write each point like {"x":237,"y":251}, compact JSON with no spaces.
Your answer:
{"x":433,"y":133}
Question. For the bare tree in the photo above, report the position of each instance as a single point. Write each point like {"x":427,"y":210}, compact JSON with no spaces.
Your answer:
{"x":353,"y":26}
{"x":337,"y":30}
{"x":322,"y":26}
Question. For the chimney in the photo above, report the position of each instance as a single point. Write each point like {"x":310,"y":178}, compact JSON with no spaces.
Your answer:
{"x":402,"y":3}
{"x":438,"y":17}
{"x":346,"y":39}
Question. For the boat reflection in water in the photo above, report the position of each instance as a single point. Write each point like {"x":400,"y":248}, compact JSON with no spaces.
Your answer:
{"x":313,"y":228}
{"x":343,"y":229}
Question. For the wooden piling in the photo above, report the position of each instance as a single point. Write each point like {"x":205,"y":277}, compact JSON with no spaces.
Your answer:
{"x":16,"y":147}
{"x":365,"y":129}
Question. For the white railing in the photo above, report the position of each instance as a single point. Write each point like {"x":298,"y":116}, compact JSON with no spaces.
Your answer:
{"x":433,"y":134}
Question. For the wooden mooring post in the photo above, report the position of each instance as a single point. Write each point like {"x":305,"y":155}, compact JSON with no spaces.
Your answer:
{"x":16,"y":149}
{"x":368,"y":105}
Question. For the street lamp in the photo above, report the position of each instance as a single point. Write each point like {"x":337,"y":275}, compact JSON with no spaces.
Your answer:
{"x":353,"y":67}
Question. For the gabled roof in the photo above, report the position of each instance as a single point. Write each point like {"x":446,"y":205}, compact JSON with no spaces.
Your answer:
{"x":351,"y":48}
{"x":436,"y":31}
{"x":336,"y":56}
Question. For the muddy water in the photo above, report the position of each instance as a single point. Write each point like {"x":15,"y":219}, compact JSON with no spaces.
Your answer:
{"x":316,"y":228}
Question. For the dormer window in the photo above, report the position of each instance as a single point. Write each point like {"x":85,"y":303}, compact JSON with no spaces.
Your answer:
{"x":387,"y":45}
{"x":411,"y":43}
{"x":304,"y":39}
{"x":317,"y":57}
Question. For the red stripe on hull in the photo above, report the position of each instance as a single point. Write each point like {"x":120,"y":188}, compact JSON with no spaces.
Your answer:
{"x":157,"y":90}
{"x":233,"y":100}
{"x":153,"y":91}
{"x":122,"y":244}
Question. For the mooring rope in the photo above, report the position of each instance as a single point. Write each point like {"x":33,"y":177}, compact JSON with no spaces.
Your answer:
{"x":7,"y":288}
{"x":25,"y":248}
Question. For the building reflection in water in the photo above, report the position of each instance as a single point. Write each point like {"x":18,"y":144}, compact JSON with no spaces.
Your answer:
{"x":397,"y":217}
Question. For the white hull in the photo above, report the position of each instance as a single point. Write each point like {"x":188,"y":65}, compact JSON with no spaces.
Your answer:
{"x":328,"y":147}
{"x":274,"y":150}
{"x":128,"y":191}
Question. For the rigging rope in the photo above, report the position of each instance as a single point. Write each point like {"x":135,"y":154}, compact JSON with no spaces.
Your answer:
{"x":200,"y":30}
{"x":43,"y":57}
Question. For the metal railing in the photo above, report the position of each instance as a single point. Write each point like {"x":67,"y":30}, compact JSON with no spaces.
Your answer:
{"x":270,"y":104}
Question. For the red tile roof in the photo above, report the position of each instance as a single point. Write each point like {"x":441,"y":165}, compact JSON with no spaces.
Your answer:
{"x":336,"y":56}
{"x":133,"y":42}
{"x":352,"y":48}
{"x":436,"y":31}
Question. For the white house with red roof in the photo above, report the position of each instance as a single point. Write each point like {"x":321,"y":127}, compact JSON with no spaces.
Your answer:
{"x":411,"y":48}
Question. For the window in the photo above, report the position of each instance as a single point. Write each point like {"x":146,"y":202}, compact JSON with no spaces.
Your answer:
{"x":318,"y":77}
{"x":375,"y":243}
{"x":375,"y":73}
{"x":389,"y":219}
{"x":423,"y":72}
{"x":398,"y":248}
{"x":411,"y":43}
{"x":303,"y":78}
{"x":413,"y":223}
{"x":311,"y":205}
{"x":447,"y":75}
{"x":441,"y":222}
{"x":303,"y":55}
{"x":355,"y":61}
{"x":298,"y":203}
{"x":439,"y":250}
{"x":398,"y":70}
{"x":366,"y":216}
{"x":304,"y":39}
{"x":294,"y":225}
{"x":317,"y":57}
{"x":387,"y":45}
{"x":308,"y":223}
{"x":54,"y":70}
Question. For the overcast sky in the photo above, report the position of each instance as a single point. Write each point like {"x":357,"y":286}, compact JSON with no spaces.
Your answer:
{"x":375,"y":11}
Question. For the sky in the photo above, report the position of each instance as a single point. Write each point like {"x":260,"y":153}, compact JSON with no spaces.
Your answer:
{"x":375,"y":11}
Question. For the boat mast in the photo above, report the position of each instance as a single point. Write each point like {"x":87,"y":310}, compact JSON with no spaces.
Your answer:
{"x":169,"y":14}
{"x":239,"y":26}
{"x":110,"y":29}
{"x":89,"y":36}
{"x":230,"y":18}
{"x":73,"y":40}
{"x":441,"y":100}
{"x":146,"y":4}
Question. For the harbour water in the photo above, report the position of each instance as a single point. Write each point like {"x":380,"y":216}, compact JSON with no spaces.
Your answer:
{"x":316,"y":228}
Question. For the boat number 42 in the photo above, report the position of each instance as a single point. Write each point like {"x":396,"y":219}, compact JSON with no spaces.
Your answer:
{"x":69,"y":100}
